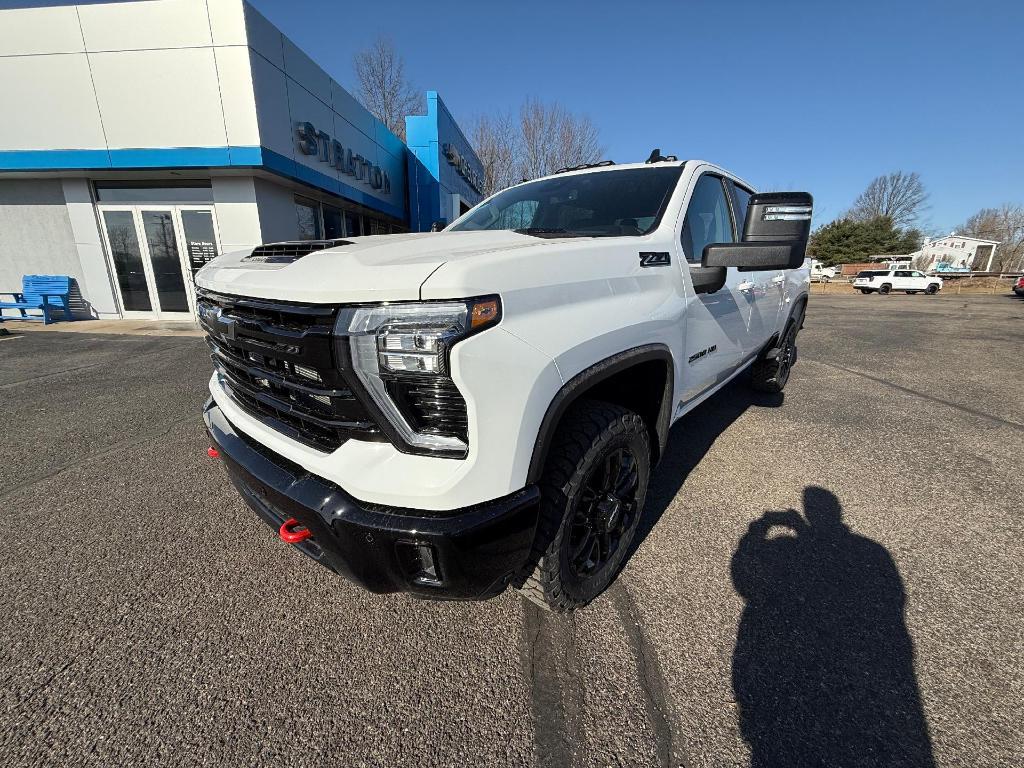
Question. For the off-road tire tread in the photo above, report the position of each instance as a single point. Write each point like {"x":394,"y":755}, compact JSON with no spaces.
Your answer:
{"x":576,"y":442}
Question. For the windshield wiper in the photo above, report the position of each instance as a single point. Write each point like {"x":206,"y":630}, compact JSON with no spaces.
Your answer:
{"x":540,"y":231}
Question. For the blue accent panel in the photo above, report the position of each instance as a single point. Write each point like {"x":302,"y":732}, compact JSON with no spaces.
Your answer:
{"x":53,"y":159}
{"x":143,"y":157}
{"x":246,"y":155}
{"x":432,"y":179}
{"x":187,"y":157}
{"x":177,"y":157}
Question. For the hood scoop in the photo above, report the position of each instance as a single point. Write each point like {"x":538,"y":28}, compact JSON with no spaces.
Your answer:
{"x":293,"y":250}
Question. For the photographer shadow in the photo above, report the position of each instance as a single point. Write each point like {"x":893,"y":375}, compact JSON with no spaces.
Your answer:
{"x":823,"y":668}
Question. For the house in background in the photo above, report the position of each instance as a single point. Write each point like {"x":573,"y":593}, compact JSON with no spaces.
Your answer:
{"x":955,"y":253}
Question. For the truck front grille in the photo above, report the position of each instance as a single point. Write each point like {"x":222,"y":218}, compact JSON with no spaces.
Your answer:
{"x":276,"y":362}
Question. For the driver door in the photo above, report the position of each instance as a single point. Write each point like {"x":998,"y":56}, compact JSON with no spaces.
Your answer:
{"x":717,"y":323}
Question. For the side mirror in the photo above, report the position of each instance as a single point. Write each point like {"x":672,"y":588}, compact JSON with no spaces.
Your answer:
{"x":438,"y":225}
{"x":775,"y":234}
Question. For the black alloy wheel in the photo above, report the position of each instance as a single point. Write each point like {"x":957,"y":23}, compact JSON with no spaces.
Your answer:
{"x":884,"y":289}
{"x":605,"y":513}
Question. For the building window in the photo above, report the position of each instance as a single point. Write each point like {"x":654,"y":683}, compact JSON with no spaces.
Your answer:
{"x":353,"y":225}
{"x":334,"y":224}
{"x":308,"y":214}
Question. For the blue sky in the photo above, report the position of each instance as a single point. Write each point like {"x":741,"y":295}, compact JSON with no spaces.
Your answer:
{"x":818,"y":96}
{"x":821,"y":96}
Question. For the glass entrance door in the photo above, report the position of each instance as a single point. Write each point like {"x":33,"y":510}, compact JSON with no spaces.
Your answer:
{"x":155,"y":252}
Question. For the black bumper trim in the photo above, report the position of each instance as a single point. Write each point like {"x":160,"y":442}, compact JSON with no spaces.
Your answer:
{"x":479,"y":549}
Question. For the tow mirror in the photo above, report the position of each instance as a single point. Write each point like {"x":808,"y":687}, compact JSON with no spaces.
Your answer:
{"x":438,"y":225}
{"x":775,"y":234}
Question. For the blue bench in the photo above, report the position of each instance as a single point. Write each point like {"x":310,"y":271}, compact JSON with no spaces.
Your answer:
{"x":43,"y":292}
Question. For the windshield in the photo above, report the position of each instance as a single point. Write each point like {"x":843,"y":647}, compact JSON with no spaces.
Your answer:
{"x":602,"y":204}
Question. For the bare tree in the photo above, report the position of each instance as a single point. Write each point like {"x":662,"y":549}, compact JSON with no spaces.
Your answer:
{"x":497,"y":143}
{"x":553,"y":138}
{"x":1005,"y":225}
{"x":900,"y":196}
{"x":383,"y":86}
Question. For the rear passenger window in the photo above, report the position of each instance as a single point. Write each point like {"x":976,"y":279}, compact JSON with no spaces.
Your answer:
{"x":707,"y":218}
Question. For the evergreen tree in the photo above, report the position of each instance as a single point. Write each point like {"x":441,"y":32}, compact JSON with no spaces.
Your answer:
{"x":845,"y":241}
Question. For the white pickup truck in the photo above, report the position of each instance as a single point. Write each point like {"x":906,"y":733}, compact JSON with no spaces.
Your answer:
{"x":822,"y":274}
{"x":884,"y":281}
{"x":450,"y":413}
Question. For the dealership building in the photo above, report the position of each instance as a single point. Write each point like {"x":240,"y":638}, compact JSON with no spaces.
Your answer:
{"x":141,"y":139}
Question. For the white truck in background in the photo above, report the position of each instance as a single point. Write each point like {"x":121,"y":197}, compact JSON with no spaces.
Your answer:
{"x":820,"y":273}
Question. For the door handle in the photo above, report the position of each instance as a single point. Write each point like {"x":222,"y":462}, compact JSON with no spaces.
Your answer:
{"x":746,"y":285}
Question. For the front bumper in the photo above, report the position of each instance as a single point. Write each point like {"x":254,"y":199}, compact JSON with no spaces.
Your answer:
{"x":476,"y":551}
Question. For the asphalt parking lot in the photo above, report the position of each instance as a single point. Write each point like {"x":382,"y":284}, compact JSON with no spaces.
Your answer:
{"x":871,"y":617}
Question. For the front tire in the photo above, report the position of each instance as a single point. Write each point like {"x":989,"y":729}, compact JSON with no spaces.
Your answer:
{"x":932,"y":289}
{"x":884,"y":289}
{"x":592,"y":493}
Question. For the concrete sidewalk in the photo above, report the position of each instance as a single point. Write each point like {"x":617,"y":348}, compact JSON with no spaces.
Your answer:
{"x":114,"y":327}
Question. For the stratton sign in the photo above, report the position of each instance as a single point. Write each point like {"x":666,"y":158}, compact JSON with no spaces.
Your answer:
{"x":463,"y":167}
{"x":330,"y":151}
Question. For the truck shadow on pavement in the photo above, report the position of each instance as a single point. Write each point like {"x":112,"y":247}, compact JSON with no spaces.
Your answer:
{"x":823,"y":668}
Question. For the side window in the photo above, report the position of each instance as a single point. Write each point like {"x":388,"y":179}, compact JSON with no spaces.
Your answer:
{"x":918,"y":274}
{"x":707,"y":218}
{"x":741,"y":199}
{"x":902,"y":273}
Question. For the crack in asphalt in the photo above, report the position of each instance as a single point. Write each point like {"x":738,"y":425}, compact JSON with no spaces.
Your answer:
{"x":88,"y":366}
{"x":916,"y":393}
{"x":144,"y":437}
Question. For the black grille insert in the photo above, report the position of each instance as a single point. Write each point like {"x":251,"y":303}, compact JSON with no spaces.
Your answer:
{"x":276,"y":362}
{"x":431,"y":405}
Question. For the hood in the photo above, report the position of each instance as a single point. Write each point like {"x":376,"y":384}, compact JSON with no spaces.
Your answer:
{"x":359,"y":269}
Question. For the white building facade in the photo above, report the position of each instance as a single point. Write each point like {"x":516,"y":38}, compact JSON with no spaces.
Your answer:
{"x":955,"y":253}
{"x":142,"y":139}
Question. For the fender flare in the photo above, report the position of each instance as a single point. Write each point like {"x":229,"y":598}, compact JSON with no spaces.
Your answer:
{"x":578,"y":386}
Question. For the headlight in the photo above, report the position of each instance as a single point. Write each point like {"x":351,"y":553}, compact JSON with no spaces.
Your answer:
{"x":401,"y":354}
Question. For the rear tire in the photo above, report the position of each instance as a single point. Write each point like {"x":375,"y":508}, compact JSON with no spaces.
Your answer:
{"x":592,"y":494}
{"x":865,"y":291}
{"x":770,"y":374}
{"x":884,"y":289}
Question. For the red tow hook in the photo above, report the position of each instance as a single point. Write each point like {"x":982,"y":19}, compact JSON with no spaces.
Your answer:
{"x":212,"y":452}
{"x":288,"y":533}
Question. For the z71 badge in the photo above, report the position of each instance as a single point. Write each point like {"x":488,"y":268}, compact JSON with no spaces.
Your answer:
{"x":655,"y":258}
